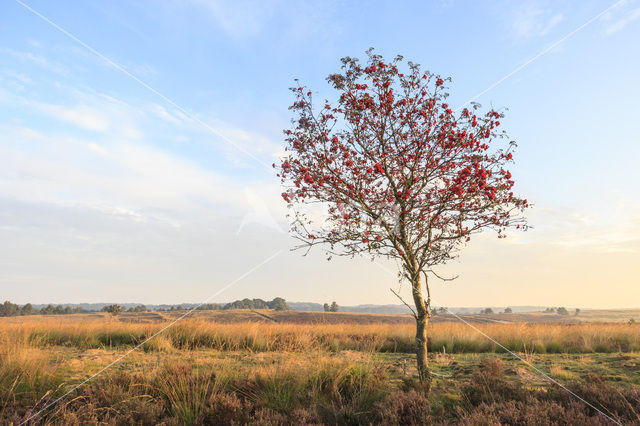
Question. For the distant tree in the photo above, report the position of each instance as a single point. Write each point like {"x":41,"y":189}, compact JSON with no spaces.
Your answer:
{"x":27,"y":309}
{"x":443,"y":310}
{"x":68,"y":310}
{"x":577,"y":311}
{"x":562,"y":311}
{"x":632,"y":321}
{"x":487,"y":311}
{"x":8,"y":309}
{"x":334,"y":307}
{"x":549,"y":311}
{"x":179,"y":308}
{"x":508,"y":310}
{"x":279,"y":304}
{"x":208,"y":307}
{"x":58,"y":310}
{"x":47,"y":310}
{"x":326,"y":307}
{"x":113,"y":309}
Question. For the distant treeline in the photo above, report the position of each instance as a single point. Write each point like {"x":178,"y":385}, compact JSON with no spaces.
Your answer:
{"x":279,"y":304}
{"x":8,"y":309}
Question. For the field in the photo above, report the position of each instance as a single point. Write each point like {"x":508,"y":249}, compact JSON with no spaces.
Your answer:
{"x":272,"y":367}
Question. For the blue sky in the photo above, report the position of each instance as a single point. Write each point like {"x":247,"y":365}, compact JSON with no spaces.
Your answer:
{"x":109,"y":192}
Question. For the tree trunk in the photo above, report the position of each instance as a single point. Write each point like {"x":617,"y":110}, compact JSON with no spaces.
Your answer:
{"x":422,"y":320}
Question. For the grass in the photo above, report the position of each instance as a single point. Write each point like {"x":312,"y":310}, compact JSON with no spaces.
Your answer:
{"x":202,"y":372}
{"x":192,"y":334}
{"x":205,"y":386}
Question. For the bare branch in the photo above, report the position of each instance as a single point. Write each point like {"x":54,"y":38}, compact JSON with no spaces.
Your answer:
{"x":443,"y":279}
{"x":405,"y":303}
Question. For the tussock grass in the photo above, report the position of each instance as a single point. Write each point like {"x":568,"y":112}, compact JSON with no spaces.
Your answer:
{"x":25,"y":371}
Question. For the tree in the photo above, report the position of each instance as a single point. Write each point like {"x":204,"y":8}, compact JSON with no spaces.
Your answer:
{"x":27,"y":309}
{"x":508,"y":310}
{"x":334,"y":307}
{"x":577,"y":311}
{"x":487,"y":311}
{"x":562,"y":311}
{"x":47,"y":310}
{"x":398,"y":173}
{"x":114,"y":310}
{"x":8,"y":309}
{"x":632,"y":321}
{"x":279,"y":304}
{"x":326,"y":307}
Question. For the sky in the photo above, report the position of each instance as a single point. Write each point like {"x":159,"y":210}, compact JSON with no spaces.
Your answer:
{"x":135,"y":147}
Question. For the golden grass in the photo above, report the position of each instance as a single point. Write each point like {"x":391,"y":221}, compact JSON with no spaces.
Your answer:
{"x":261,"y":337}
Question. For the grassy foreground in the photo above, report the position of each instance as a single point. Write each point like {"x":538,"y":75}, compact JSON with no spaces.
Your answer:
{"x":200,"y":372}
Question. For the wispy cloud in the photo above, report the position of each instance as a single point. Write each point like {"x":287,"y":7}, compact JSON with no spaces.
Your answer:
{"x":612,"y":227}
{"x":620,"y":23}
{"x":240,"y":17}
{"x":33,"y":58}
{"x":82,"y":116}
{"x":533,"y":21}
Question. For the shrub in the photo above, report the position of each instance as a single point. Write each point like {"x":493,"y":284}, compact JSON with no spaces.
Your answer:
{"x":488,"y":385}
{"x":224,"y":408}
{"x":531,"y":412}
{"x":624,"y":405}
{"x":403,"y":408}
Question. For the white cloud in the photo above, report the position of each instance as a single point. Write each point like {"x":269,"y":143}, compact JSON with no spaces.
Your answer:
{"x":19,"y":77}
{"x":82,"y":116}
{"x":533,"y":21}
{"x":55,"y":169}
{"x":621,"y":23}
{"x":240,"y":17}
{"x":36,"y":59}
{"x":613,"y":226}
{"x":89,"y":111}
{"x":161,"y":112}
{"x":259,"y":146}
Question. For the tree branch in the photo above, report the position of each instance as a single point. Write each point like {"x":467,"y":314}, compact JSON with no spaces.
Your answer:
{"x":443,"y":279}
{"x":405,"y":303}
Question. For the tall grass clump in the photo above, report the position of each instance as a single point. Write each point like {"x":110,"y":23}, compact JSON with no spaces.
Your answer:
{"x":187,"y":391}
{"x":26,"y":372}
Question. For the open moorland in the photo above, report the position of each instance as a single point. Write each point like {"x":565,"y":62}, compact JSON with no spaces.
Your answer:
{"x":290,"y":367}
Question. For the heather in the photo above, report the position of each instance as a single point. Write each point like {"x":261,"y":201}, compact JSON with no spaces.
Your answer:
{"x":203,"y":372}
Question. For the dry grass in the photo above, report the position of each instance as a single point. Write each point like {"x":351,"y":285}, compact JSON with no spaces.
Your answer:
{"x":202,"y":372}
{"x":260,"y":337}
